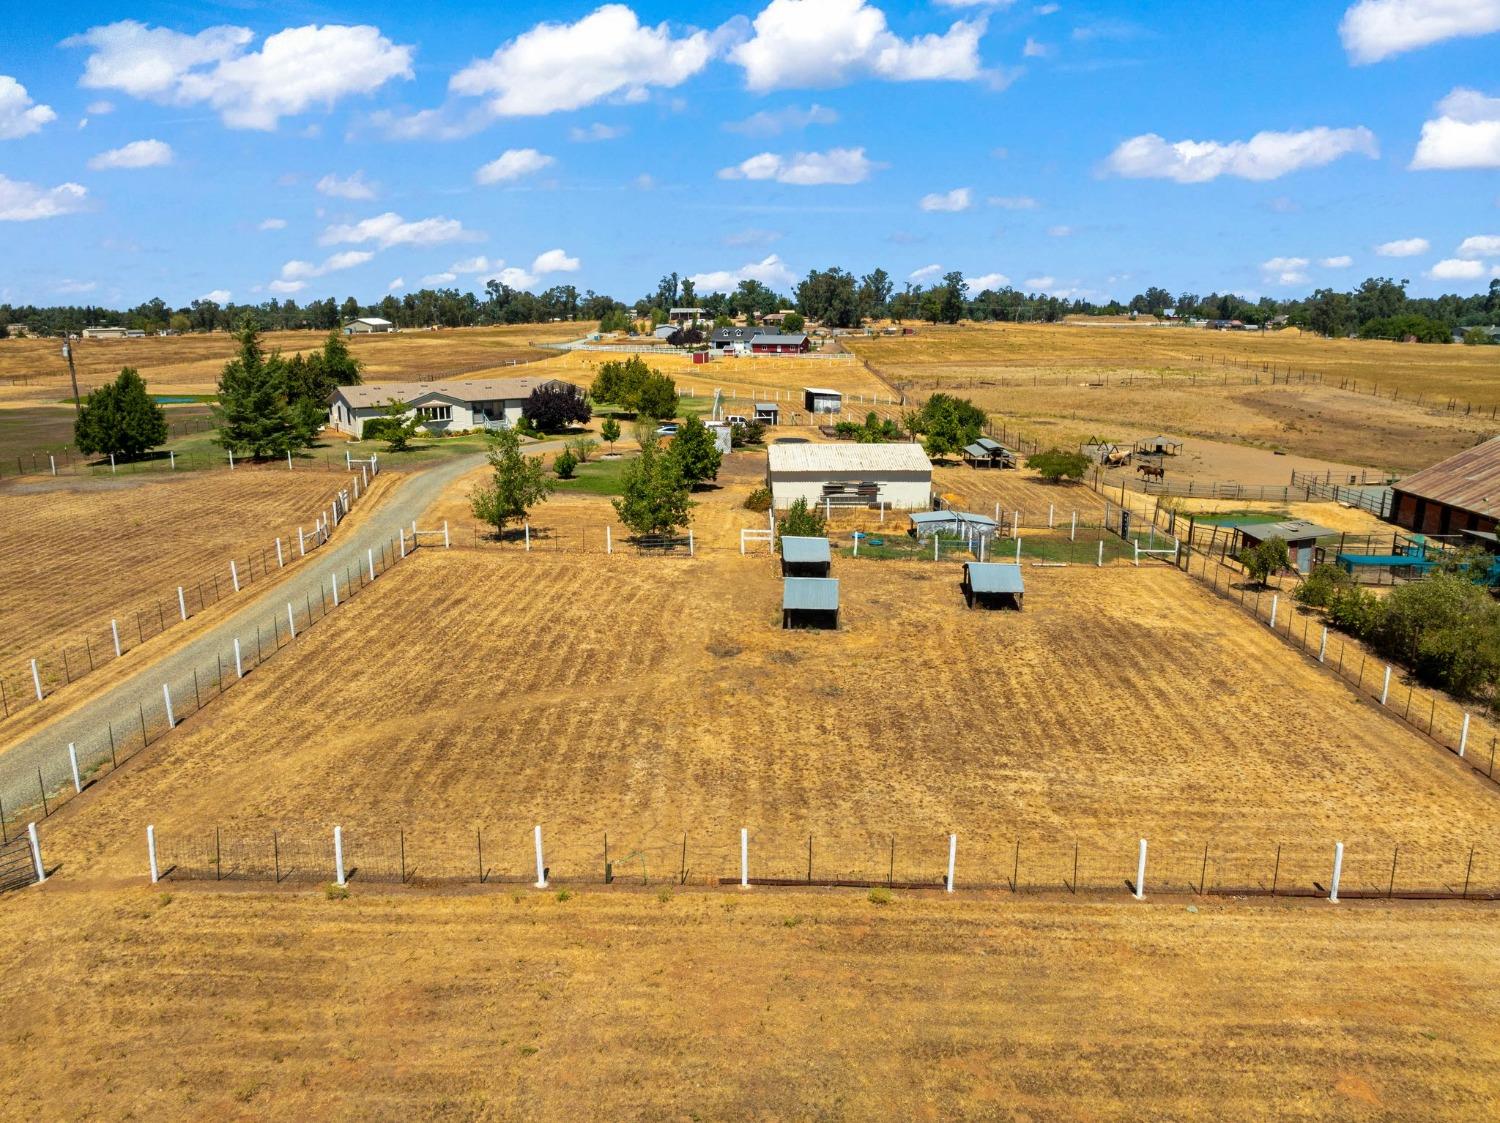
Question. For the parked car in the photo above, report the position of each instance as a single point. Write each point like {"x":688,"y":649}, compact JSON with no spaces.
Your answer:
{"x":667,"y":430}
{"x":736,"y":419}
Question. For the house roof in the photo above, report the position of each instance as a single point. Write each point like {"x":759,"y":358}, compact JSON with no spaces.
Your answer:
{"x":822,"y":390}
{"x":1291,"y":530}
{"x":781,"y":340}
{"x":373,"y":321}
{"x":805,"y":551}
{"x":1469,"y":481}
{"x":847,"y":458}
{"x":994,"y":577}
{"x":678,"y":311}
{"x":735,"y":333}
{"x":370,"y":394}
{"x":810,"y":594}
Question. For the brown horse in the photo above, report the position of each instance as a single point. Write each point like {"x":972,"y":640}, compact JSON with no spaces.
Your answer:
{"x":1152,"y":471}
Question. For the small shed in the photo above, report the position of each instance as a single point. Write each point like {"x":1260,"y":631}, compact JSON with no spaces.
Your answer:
{"x":1158,"y":446}
{"x":810,"y":602}
{"x":1301,"y":538}
{"x":994,"y":585}
{"x":815,"y":400}
{"x":768,"y":412}
{"x":988,"y":454}
{"x":960,"y":524}
{"x":805,"y":557}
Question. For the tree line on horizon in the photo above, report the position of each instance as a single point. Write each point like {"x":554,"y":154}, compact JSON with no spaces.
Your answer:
{"x":1377,"y":308}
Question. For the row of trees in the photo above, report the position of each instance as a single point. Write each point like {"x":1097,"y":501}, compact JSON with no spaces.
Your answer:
{"x":269,"y":405}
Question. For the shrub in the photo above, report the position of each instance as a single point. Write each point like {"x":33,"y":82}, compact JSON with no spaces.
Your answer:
{"x":800,"y":521}
{"x":1264,"y":559}
{"x":336,"y":892}
{"x":583,"y":448}
{"x":663,"y":896}
{"x":1322,"y":585}
{"x":880,"y":896}
{"x":555,"y":406}
{"x":1057,"y":464}
{"x":750,"y":433}
{"x":565,"y":464}
{"x":565,"y":895}
{"x":758,"y":500}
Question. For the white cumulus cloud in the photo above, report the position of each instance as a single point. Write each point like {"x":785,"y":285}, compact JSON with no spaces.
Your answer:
{"x":1266,"y":155}
{"x":1404,"y":247}
{"x":350,"y":187}
{"x":1040,"y":284}
{"x":136,"y":154}
{"x":1462,"y":269}
{"x":513,"y":164}
{"x":298,"y":270}
{"x":19,"y":115}
{"x":294,"y":70}
{"x":988,"y":281}
{"x":554,"y":261}
{"x":390,"y":229}
{"x":959,"y":199}
{"x":596,"y":132}
{"x":1465,"y":134}
{"x":1480,"y":245}
{"x":802,"y":43}
{"x":286,"y":288}
{"x":217,"y":296}
{"x":27,"y":202}
{"x":1377,"y":29}
{"x":805,"y":169}
{"x":771,"y":272}
{"x":1285,"y":270}
{"x":924,"y":273}
{"x":772,"y":122}
{"x":272,"y":224}
{"x":561,"y":66}
{"x":1342,"y":261}
{"x":396,"y":285}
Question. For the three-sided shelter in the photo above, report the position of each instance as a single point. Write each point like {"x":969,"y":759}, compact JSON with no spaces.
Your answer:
{"x":442,"y":406}
{"x":815,"y":400}
{"x":768,"y":413}
{"x":994,"y":585}
{"x":810,"y":602}
{"x":1301,"y":538}
{"x":897,"y":476}
{"x":1158,"y":446}
{"x":805,"y":557}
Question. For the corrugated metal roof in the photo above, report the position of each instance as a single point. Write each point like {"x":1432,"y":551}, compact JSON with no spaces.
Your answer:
{"x":978,"y":451}
{"x":1292,"y":530}
{"x":805,"y":551}
{"x":1469,"y":481}
{"x":779,"y":340}
{"x":823,"y":391}
{"x":767,"y":407}
{"x":942,"y":518}
{"x":993,"y":446}
{"x":995,"y":577}
{"x":847,"y":458}
{"x":810,"y":594}
{"x":488,"y":390}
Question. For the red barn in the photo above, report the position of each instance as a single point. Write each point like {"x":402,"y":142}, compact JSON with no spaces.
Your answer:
{"x":780,"y":345}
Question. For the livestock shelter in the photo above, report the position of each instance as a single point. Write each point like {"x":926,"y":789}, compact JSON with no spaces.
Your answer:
{"x":798,"y":344}
{"x":805,"y":557}
{"x":768,"y":412}
{"x":810,"y":602}
{"x":1458,"y":494}
{"x":896,"y":476}
{"x":994,"y":585}
{"x":1158,"y":446}
{"x":985,"y":453}
{"x":1301,"y":538}
{"x":368,"y":325}
{"x":955,"y":524}
{"x":816,"y":400}
{"x":443,"y":407}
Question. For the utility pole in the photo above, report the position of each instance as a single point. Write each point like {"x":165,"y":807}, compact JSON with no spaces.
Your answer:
{"x":72,"y":371}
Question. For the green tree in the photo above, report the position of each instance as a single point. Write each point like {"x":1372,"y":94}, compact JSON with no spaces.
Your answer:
{"x":120,"y":418}
{"x":398,"y":425}
{"x":565,"y":464}
{"x":657,"y":397}
{"x":609,"y":429}
{"x":1057,"y":464}
{"x":793,"y":323}
{"x":947,"y":424}
{"x":517,"y":484}
{"x":695,"y":452}
{"x":800,"y":521}
{"x":253,"y":414}
{"x":653,"y":494}
{"x":312,"y":379}
{"x":1478,"y":337}
{"x":1264,"y":559}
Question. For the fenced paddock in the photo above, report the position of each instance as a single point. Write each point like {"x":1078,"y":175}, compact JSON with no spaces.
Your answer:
{"x":649,"y":701}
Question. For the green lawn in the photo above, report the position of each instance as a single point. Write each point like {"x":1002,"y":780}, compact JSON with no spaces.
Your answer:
{"x":1220,"y":518}
{"x":597,"y":477}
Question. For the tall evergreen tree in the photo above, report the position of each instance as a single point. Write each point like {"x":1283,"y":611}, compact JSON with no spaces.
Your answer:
{"x":120,"y":418}
{"x":252,"y":411}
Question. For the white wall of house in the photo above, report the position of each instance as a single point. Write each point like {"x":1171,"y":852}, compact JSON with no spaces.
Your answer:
{"x":439,"y":416}
{"x":901,"y":491}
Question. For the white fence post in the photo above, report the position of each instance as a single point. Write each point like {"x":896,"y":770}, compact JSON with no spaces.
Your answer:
{"x":73,"y":764}
{"x":1018,"y":549}
{"x":36,"y":852}
{"x":1101,"y":553}
{"x":1073,"y":534}
{"x":348,"y":462}
{"x":1137,"y":545}
{"x":1140,"y":873}
{"x":541,"y":868}
{"x":401,"y":532}
{"x":338,"y":855}
{"x":446,"y":544}
{"x":172,"y":455}
{"x":370,"y":557}
{"x":288,"y":460}
{"x":744,"y":858}
{"x":181,"y":603}
{"x":1275,"y":606}
{"x":934,"y":546}
{"x":692,"y":548}
{"x":301,"y":544}
{"x":239,"y":666}
{"x":527,"y":528}
{"x":334,"y":577}
{"x":231,"y":460}
{"x":280,"y":561}
{"x":234,"y":575}
{"x":36,"y":680}
{"x":952,"y":857}
{"x":1338,"y":872}
{"x":111,"y":463}
{"x":1323,"y":648}
{"x":1051,"y":515}
{"x":114,"y":630}
{"x":609,"y":541}
{"x":1463,"y":739}
{"x":53,"y":460}
{"x":166,"y":697}
{"x":151,"y":853}
{"x":1385,"y":692}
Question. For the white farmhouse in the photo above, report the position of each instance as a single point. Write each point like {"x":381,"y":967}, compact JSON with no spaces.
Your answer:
{"x":850,"y":475}
{"x":443,"y":406}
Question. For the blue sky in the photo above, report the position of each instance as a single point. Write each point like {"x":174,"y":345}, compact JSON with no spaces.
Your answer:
{"x":309,"y":150}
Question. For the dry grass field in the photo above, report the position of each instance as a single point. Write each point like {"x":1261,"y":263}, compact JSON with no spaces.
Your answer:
{"x":77,"y":553}
{"x":651,"y":699}
{"x":1125,"y":383}
{"x":124,"y":1003}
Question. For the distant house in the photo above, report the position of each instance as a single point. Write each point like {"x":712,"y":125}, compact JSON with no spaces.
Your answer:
{"x":798,"y":344}
{"x":687,"y":315}
{"x":443,"y":406}
{"x":368,"y":325}
{"x":723,"y":339}
{"x":104,"y":333}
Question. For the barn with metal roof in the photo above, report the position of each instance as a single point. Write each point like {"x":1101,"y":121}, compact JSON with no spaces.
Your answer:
{"x":810,"y":602}
{"x":1458,"y":494}
{"x":805,"y":557}
{"x":994,"y":585}
{"x":898,"y":476}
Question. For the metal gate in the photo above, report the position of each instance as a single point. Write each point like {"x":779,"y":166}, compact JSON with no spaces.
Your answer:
{"x":17,"y":867}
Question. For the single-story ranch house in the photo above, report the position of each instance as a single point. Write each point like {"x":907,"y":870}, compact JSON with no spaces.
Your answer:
{"x":443,"y":406}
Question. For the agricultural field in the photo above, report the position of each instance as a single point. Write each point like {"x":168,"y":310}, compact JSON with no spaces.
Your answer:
{"x":728,"y":1005}
{"x":655,"y":699}
{"x":79,"y":552}
{"x":1064,"y":384}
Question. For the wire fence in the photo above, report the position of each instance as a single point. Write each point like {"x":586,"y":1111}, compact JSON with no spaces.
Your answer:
{"x":66,"y":462}
{"x":29,"y":791}
{"x":537,"y":856}
{"x":78,"y":655}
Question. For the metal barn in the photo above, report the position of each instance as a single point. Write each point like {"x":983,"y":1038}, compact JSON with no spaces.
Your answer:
{"x":815,"y":400}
